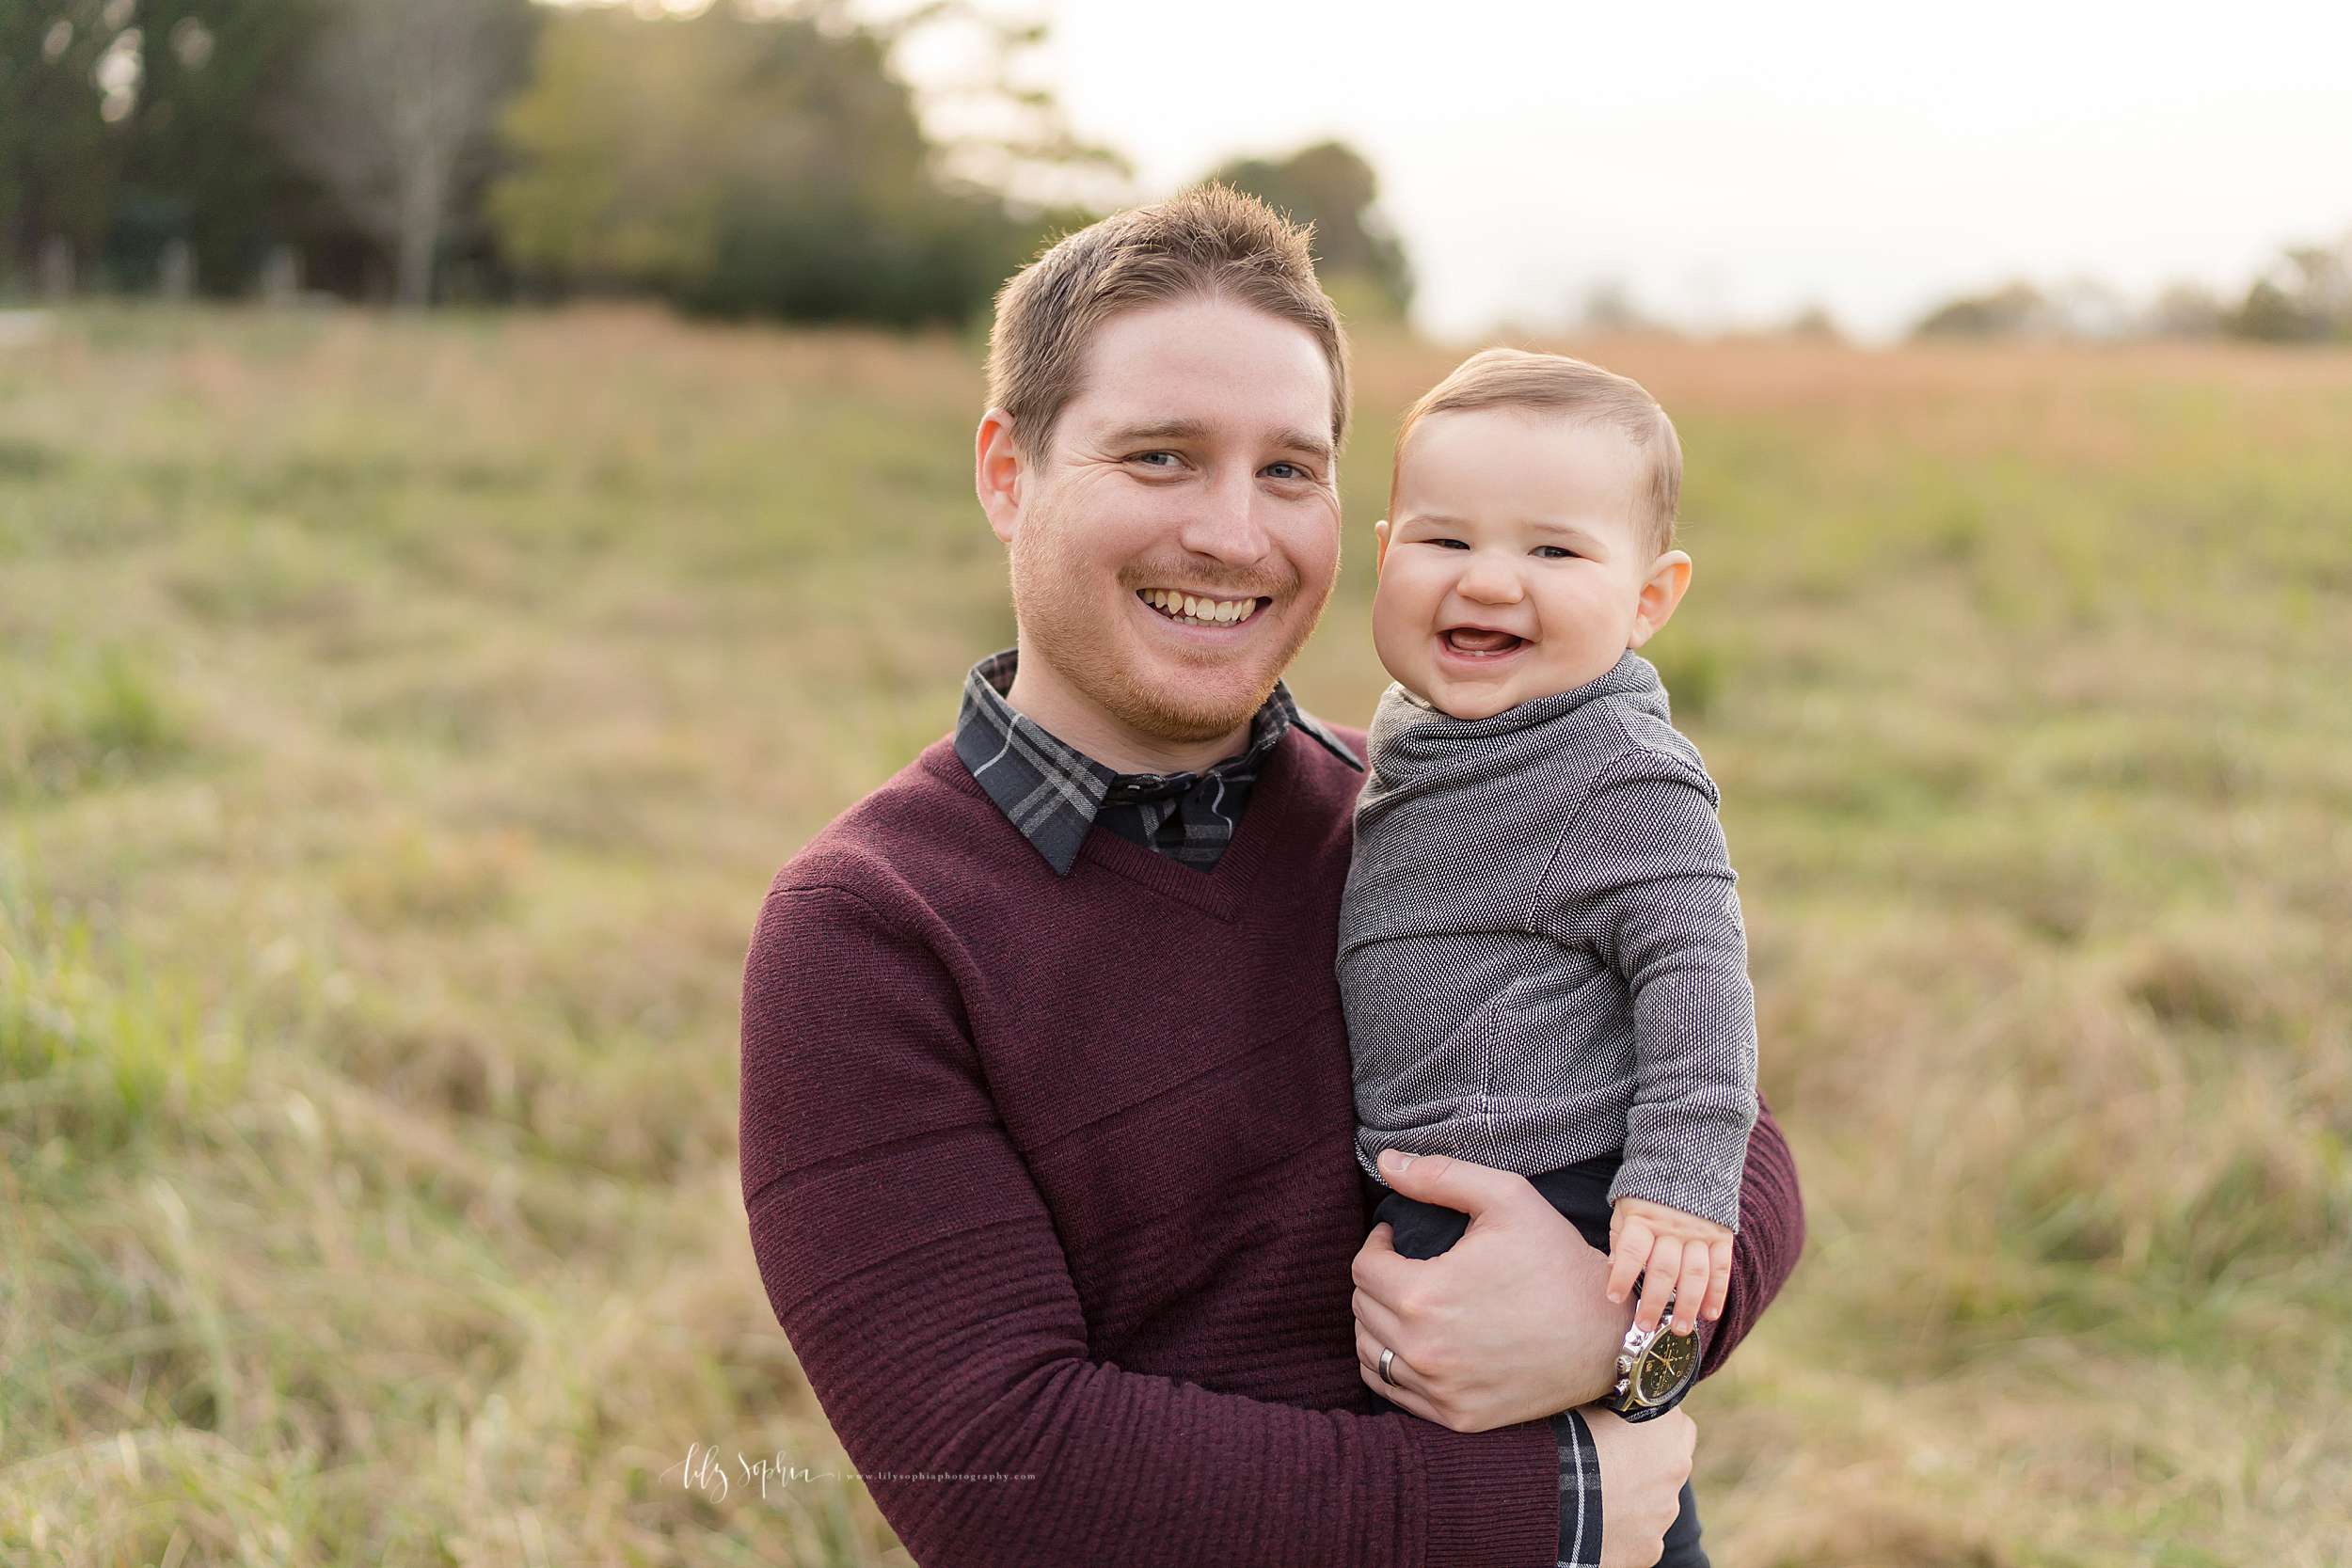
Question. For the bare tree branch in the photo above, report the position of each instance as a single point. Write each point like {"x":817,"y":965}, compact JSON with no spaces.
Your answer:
{"x":394,"y":96}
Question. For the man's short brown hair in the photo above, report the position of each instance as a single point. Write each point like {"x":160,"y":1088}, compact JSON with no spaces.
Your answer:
{"x":1571,"y":389}
{"x":1212,"y":242}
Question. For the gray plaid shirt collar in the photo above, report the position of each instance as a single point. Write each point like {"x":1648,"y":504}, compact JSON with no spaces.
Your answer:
{"x":1053,"y":793}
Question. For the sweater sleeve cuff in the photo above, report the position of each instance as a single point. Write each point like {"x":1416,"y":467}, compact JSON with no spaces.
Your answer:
{"x":1488,"y":1495}
{"x":1580,"y":1492}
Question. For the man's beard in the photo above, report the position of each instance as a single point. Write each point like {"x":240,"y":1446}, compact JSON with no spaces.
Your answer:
{"x":1056,"y":607}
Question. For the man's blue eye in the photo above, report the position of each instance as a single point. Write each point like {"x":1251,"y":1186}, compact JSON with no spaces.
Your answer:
{"x":1155,"y":457}
{"x":1286,"y":470}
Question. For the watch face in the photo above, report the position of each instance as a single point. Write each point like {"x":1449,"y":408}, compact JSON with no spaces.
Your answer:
{"x":1672,"y":1358}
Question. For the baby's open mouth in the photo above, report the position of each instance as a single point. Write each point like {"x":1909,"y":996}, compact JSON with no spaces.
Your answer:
{"x":1479,"y":641}
{"x":1198,"y":610}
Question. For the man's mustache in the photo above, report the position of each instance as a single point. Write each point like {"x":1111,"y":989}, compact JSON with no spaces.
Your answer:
{"x":1190,"y":577}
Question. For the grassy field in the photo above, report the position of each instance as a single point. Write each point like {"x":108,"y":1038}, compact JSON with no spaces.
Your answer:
{"x":400,"y":720}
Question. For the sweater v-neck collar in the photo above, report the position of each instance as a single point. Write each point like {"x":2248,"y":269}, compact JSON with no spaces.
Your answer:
{"x":1056,"y":794}
{"x":1222,"y":891}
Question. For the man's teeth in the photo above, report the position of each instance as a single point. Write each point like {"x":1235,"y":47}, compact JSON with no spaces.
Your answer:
{"x":1194,"y":609}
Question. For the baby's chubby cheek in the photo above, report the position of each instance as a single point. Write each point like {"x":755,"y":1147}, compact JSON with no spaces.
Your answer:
{"x":1400,"y":635}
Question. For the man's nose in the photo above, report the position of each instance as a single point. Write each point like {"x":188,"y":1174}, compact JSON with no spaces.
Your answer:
{"x":1225,"y":525}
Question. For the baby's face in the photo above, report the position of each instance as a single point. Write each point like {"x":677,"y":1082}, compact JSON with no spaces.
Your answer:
{"x":1519,"y":562}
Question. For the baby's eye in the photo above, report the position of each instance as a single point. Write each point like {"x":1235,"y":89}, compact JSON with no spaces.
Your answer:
{"x":1551,"y":552}
{"x":1449,"y":544}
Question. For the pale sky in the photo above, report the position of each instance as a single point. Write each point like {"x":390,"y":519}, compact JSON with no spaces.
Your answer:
{"x":1731,"y":162}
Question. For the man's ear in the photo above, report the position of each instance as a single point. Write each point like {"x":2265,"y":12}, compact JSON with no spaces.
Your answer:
{"x":1000,"y":472}
{"x":1669,"y":580}
{"x":1380,"y":547}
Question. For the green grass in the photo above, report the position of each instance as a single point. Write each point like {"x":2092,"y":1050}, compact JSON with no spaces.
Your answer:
{"x":400,"y":720}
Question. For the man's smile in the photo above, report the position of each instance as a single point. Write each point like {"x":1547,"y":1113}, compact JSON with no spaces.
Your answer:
{"x":1198,"y":610}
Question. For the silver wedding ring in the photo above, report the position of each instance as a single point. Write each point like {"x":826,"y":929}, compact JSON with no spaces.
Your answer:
{"x":1387,"y":1359}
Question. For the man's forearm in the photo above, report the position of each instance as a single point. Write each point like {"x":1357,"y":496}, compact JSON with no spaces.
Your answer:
{"x":959,"y":1358}
{"x":911,"y":1258}
{"x":1771,"y":1240}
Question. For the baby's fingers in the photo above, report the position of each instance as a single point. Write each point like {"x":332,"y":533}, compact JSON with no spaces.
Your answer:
{"x":1719,"y":1279}
{"x":1628,"y":1250}
{"x":1665,"y":1263}
{"x":1698,"y":1282}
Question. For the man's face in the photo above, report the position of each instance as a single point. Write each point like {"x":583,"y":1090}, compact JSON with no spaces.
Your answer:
{"x":1172,"y":547}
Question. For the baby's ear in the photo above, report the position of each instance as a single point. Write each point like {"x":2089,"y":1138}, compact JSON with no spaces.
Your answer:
{"x":1380,"y":549}
{"x":1668,"y":580}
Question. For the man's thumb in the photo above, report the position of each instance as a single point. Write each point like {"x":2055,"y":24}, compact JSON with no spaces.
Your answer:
{"x":1442,"y":1180}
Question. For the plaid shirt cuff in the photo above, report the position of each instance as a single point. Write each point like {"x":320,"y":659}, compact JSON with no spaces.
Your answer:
{"x":1580,"y":1492}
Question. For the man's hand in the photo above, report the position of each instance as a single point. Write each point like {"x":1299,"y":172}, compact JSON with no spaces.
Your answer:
{"x":1511,"y":1325}
{"x":1687,"y":1259}
{"x":1641,"y":1471}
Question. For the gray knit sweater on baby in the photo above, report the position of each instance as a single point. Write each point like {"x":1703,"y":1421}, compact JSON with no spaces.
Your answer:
{"x":1540,"y":950}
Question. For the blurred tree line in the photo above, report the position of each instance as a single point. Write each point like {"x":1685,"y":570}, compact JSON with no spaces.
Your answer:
{"x":183,"y":144}
{"x":128,"y":125}
{"x":736,"y":160}
{"x":746,"y":158}
{"x":742,"y":165}
{"x":1359,"y":260}
{"x":2304,"y":297}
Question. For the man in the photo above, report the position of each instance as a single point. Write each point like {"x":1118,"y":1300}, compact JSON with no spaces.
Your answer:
{"x":1046,"y":1128}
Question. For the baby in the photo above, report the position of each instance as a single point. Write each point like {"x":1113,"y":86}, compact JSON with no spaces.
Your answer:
{"x":1540,"y":951}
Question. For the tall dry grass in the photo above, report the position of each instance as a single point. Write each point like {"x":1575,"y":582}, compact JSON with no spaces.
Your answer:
{"x":399,"y":722}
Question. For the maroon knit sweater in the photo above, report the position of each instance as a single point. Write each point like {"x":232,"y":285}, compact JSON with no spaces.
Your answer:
{"x":1053,"y":1179}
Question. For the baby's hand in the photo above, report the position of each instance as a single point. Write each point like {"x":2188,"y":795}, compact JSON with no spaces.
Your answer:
{"x":1685,"y":1255}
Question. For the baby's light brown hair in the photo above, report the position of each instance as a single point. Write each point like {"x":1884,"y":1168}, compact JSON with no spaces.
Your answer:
{"x":1570,"y":389}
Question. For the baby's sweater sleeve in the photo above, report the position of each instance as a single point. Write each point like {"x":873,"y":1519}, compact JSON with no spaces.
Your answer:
{"x":1641,"y":876}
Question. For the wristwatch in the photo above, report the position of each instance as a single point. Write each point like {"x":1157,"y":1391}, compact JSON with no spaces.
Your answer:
{"x":1653,"y":1368}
